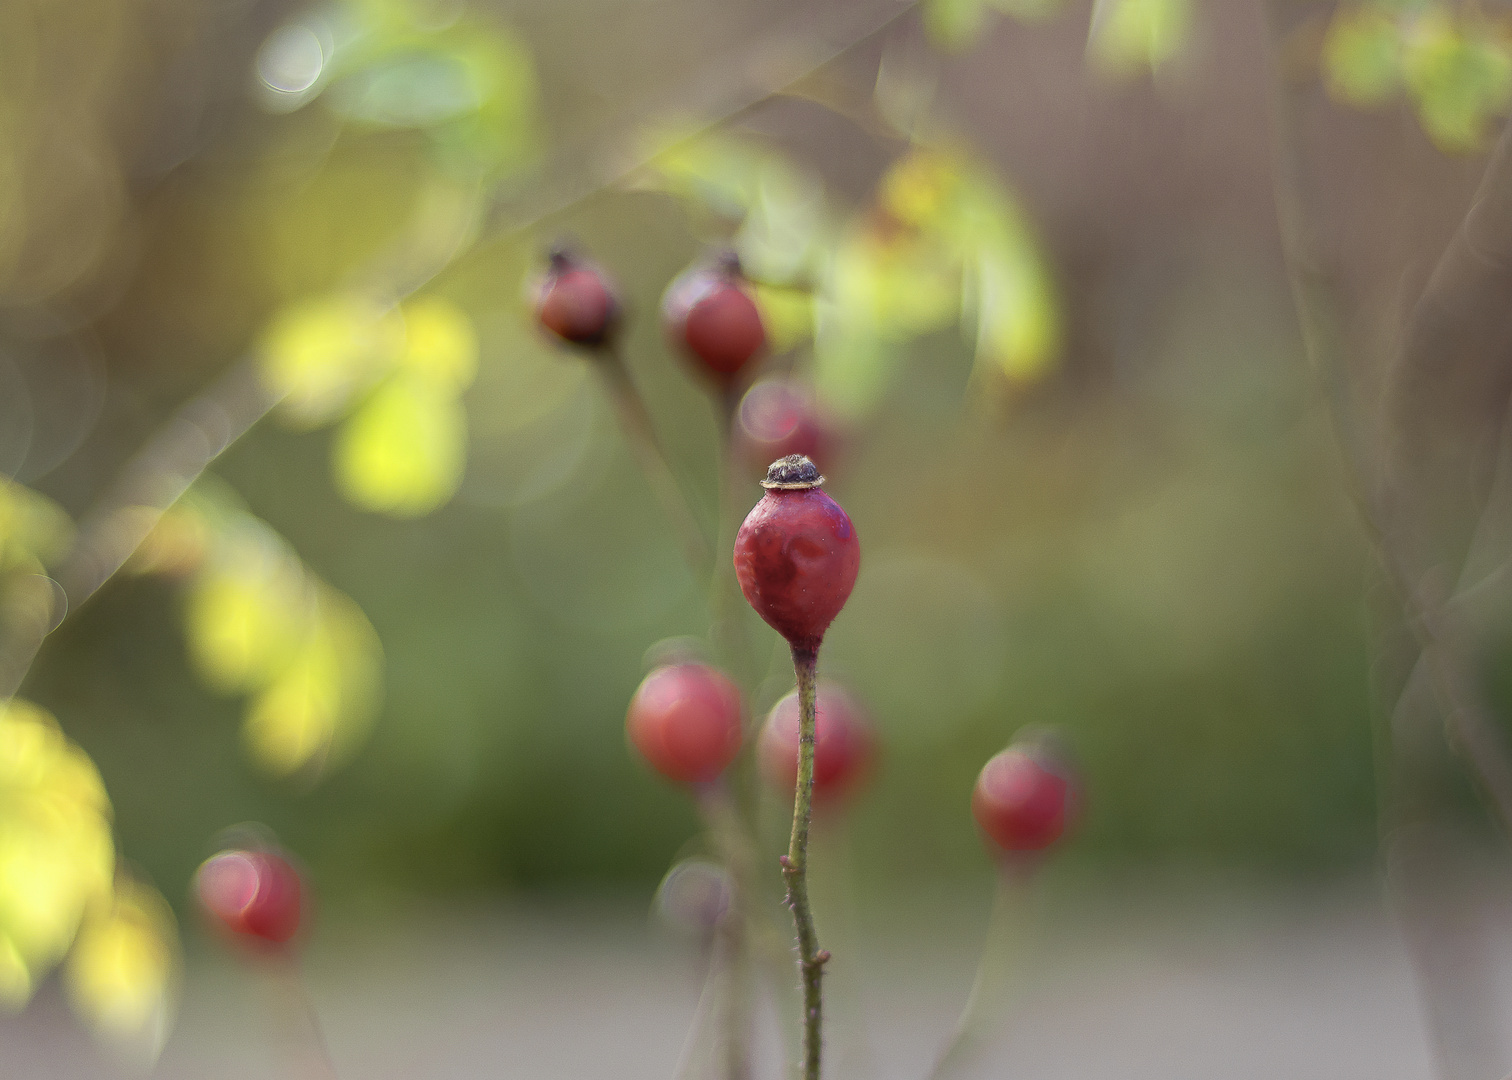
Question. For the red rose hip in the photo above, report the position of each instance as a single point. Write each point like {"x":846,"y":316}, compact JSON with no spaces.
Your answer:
{"x":796,"y":555}
{"x":575,"y":301}
{"x":778,"y":418}
{"x":1024,"y":799}
{"x":710,"y":315}
{"x":844,"y":744}
{"x":252,"y":894}
{"x":685,"y":720}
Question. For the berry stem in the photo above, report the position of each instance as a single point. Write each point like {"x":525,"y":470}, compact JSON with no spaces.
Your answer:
{"x":729,"y":834}
{"x":635,"y":420}
{"x":315,"y":1058}
{"x":811,"y":958}
{"x":994,"y":973}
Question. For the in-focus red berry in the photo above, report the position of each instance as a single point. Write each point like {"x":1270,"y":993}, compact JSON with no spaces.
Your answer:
{"x":1024,"y":799}
{"x":709,"y":313}
{"x":778,"y":418}
{"x":253,"y":894}
{"x":685,"y":720}
{"x":796,"y":555}
{"x":575,"y":300}
{"x":844,"y":744}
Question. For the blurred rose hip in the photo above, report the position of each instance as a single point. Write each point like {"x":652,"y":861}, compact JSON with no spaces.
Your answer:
{"x":1024,"y":799}
{"x":708,"y":312}
{"x":252,"y":894}
{"x":778,"y":418}
{"x":575,"y":300}
{"x":845,"y":744}
{"x":685,"y":720}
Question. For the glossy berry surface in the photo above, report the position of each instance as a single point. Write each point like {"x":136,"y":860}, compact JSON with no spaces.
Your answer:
{"x":797,"y":555}
{"x":252,"y":894}
{"x":845,"y":744}
{"x":575,"y":301}
{"x":711,"y":316}
{"x":685,"y":721}
{"x":778,"y":418}
{"x":1023,"y":800}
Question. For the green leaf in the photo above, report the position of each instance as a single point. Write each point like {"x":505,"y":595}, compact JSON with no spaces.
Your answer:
{"x":244,"y":615}
{"x":403,"y":451}
{"x":1131,"y":36}
{"x":955,"y":24}
{"x":1018,"y":325}
{"x":1460,"y":75}
{"x":317,"y":355}
{"x":1362,"y":56}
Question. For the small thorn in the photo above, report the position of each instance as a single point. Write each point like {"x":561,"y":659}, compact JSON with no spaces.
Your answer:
{"x":783,"y":859}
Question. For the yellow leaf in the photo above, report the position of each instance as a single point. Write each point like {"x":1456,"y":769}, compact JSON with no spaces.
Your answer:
{"x":403,"y":451}
{"x":1460,"y":75}
{"x":317,"y":355}
{"x":439,"y":342}
{"x":56,"y":851}
{"x":1018,"y":327}
{"x":321,"y":705}
{"x":34,"y":530}
{"x":243,"y":616}
{"x":123,"y":967}
{"x":787,"y":314}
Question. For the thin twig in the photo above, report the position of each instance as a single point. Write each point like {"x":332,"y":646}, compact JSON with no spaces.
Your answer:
{"x":811,"y":958}
{"x":640,"y":432}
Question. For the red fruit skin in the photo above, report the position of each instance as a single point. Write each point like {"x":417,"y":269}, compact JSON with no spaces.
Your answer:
{"x":776,"y":419}
{"x":1021,"y":802}
{"x":715,"y":321}
{"x":253,"y":894}
{"x":845,"y":745}
{"x":576,"y":304}
{"x":685,"y":720}
{"x":796,"y":557}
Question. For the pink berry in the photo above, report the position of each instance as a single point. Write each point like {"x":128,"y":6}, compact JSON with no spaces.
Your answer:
{"x":796,"y":555}
{"x":711,"y":316}
{"x":844,"y":744}
{"x":575,"y":301}
{"x":685,"y":720}
{"x":253,"y":894}
{"x":1024,"y":799}
{"x":777,"y":418}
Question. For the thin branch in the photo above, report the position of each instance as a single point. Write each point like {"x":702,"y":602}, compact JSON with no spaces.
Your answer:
{"x":811,"y":958}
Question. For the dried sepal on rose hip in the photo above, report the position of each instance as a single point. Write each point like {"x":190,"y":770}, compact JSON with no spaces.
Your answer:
{"x":257,"y":896}
{"x":709,"y":314}
{"x":796,"y":555}
{"x":685,"y":720}
{"x":576,"y":301}
{"x":845,"y":745}
{"x":1025,"y":798}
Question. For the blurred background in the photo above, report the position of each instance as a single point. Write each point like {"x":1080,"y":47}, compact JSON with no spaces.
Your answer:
{"x":1101,"y":495}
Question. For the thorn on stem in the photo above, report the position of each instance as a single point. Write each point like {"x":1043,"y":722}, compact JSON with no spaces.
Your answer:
{"x":821,"y":957}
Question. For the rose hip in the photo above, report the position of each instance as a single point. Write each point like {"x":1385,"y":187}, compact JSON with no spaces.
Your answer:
{"x":1024,"y":799}
{"x":844,"y":744}
{"x":685,"y":720}
{"x":710,"y":315}
{"x":253,"y":894}
{"x":575,"y":300}
{"x":778,"y":418}
{"x":796,"y":555}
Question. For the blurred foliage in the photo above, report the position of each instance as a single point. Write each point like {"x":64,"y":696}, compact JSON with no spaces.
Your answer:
{"x":1133,"y":36}
{"x":260,"y":622}
{"x":941,"y":242}
{"x":57,"y":874}
{"x":1454,"y":63}
{"x":393,"y":377}
{"x":955,"y":24}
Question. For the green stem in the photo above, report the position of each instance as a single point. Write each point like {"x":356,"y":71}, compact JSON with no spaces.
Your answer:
{"x":811,"y":958}
{"x":989,"y":992}
{"x":635,"y":421}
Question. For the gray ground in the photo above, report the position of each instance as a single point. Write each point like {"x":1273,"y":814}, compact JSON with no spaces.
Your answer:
{"x":1186,"y":985}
